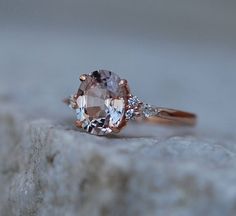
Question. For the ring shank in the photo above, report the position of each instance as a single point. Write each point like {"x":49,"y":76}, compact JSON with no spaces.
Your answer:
{"x":172,"y":117}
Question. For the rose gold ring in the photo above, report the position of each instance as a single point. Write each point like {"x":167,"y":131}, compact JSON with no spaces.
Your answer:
{"x":104,"y":104}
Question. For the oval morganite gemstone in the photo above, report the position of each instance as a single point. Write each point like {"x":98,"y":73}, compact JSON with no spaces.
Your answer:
{"x":102,"y":103}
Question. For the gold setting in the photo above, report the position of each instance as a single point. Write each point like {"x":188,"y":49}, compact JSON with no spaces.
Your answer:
{"x":83,"y":77}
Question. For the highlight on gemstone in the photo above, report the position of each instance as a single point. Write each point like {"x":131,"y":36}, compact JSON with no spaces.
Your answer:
{"x":101,"y":103}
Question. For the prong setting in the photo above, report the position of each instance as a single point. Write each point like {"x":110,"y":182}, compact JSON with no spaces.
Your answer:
{"x":78,"y":124}
{"x":123,"y":82}
{"x":71,"y":102}
{"x":83,"y":77}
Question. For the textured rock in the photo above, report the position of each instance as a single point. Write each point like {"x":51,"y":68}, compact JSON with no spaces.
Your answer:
{"x":185,"y":59}
{"x":47,"y":169}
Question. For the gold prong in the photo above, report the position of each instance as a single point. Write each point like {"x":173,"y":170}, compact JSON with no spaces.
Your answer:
{"x":78,"y":124}
{"x":123,"y":82}
{"x":115,"y":130}
{"x":83,"y":77}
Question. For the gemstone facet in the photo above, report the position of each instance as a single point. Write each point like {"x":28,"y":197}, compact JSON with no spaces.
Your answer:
{"x":101,"y":102}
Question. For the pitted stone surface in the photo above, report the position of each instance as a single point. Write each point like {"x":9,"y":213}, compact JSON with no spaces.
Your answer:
{"x":47,"y":169}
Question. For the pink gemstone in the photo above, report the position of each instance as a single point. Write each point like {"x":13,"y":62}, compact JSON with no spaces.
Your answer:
{"x":102,"y":103}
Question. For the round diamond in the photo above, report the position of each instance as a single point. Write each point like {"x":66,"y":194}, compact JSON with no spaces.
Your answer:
{"x":101,"y":102}
{"x":130,"y":114}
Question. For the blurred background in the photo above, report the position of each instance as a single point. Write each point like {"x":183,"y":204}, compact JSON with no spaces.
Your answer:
{"x":178,"y":54}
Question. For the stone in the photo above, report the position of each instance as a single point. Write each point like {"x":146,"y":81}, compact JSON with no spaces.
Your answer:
{"x":47,"y":169}
{"x":101,"y":103}
{"x":130,"y":114}
{"x":149,"y":110}
{"x":134,"y":101}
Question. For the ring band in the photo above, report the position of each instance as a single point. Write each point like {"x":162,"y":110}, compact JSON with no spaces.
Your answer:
{"x":173,"y":117}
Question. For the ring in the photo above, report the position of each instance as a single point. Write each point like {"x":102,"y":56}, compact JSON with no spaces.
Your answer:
{"x":104,"y":104}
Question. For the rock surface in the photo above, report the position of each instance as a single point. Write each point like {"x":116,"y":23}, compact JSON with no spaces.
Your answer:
{"x":48,"y":169}
{"x":177,"y":54}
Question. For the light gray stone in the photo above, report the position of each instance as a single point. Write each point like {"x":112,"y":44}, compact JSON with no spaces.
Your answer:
{"x":177,"y":54}
{"x":48,"y":169}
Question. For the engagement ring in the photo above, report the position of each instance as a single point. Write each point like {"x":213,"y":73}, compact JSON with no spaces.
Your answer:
{"x":104,"y":104}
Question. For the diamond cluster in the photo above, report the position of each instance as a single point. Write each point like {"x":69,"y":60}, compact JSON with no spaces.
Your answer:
{"x":133,"y":108}
{"x":138,"y":109}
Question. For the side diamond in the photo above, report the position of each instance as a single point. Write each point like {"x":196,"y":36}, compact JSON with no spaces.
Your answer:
{"x":130,"y":114}
{"x":149,"y":110}
{"x":138,"y":110}
{"x":134,"y":105}
{"x":134,"y":101}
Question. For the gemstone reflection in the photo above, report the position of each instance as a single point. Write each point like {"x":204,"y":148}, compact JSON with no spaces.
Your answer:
{"x":101,"y":103}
